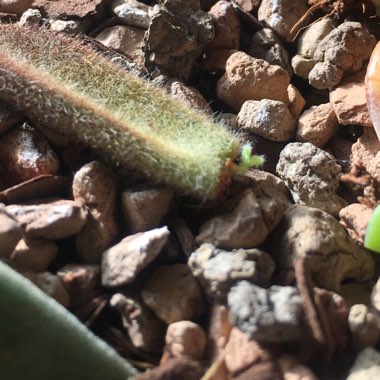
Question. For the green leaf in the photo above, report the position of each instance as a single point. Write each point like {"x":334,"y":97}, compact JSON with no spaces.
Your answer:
{"x":372,"y":235}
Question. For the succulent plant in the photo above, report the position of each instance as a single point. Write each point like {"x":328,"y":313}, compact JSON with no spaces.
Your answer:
{"x":40,"y":339}
{"x":65,"y":86}
{"x":372,"y":235}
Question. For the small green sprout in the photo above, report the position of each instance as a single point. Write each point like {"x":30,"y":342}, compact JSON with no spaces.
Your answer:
{"x":249,"y":160}
{"x":372,"y":235}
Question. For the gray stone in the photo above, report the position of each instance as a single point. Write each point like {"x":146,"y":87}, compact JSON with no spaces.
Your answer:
{"x":311,"y":175}
{"x":217,"y":269}
{"x":132,"y":13}
{"x":30,"y":17}
{"x":366,"y":365}
{"x":173,"y":294}
{"x":124,"y":261}
{"x":269,"y":315}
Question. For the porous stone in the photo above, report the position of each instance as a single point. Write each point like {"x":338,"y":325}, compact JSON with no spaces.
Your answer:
{"x":344,"y":49}
{"x":354,"y":218}
{"x":145,"y":207}
{"x":296,"y":101}
{"x":364,"y":327}
{"x":243,"y":227}
{"x":125,"y":39}
{"x":15,"y":6}
{"x":242,"y":352}
{"x":186,"y":339}
{"x":34,"y":254}
{"x":366,"y":153}
{"x":175,"y":37}
{"x":248,"y":78}
{"x":217,"y":269}
{"x":95,"y":186}
{"x":332,"y":255}
{"x":349,"y":101}
{"x":267,"y":118}
{"x":26,"y":154}
{"x":132,"y":12}
{"x":124,"y":261}
{"x":317,"y":125}
{"x":281,"y":15}
{"x":10,"y":233}
{"x":366,"y":365}
{"x":173,"y":294}
{"x":266,"y":45}
{"x":269,"y":315}
{"x":227,"y":26}
{"x":311,"y":175}
{"x":82,"y":282}
{"x":50,"y":219}
{"x":145,"y":330}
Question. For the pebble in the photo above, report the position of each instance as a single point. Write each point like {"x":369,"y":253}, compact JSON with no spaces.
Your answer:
{"x":227,"y":26}
{"x":267,"y":118}
{"x":243,"y":227}
{"x":10,"y":233}
{"x":261,"y":371}
{"x":145,"y":207}
{"x":30,"y":17}
{"x":217,"y":269}
{"x":248,"y":5}
{"x":69,"y":26}
{"x":186,"y":339}
{"x":296,"y":101}
{"x":26,"y":154}
{"x":82,"y":282}
{"x":317,"y":125}
{"x":34,"y":254}
{"x":316,"y":235}
{"x":132,"y":13}
{"x":349,"y":102}
{"x":311,"y":174}
{"x":124,"y":39}
{"x":122,"y":263}
{"x":375,"y":296}
{"x":366,"y":365}
{"x":95,"y":186}
{"x":248,"y":78}
{"x":293,"y":369}
{"x":50,"y":219}
{"x":173,"y":294}
{"x":268,"y":315}
{"x":281,"y":15}
{"x":15,"y":6}
{"x":144,"y":329}
{"x":242,"y":352}
{"x":354,"y":218}
{"x":364,"y":327}
{"x":266,"y":45}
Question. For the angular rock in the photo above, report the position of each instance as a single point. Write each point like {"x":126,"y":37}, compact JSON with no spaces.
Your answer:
{"x":332,"y":255}
{"x":10,"y":233}
{"x":248,"y":78}
{"x":145,"y":330}
{"x":186,"y":339}
{"x":311,"y":175}
{"x":268,"y":315}
{"x":296,"y":101}
{"x":349,"y":101}
{"x":164,"y":294}
{"x":281,"y":15}
{"x":82,"y":282}
{"x":354,"y":218}
{"x":366,"y":365}
{"x":96,"y":187}
{"x":34,"y":254}
{"x":217,"y":269}
{"x":144,"y":208}
{"x":127,"y":40}
{"x":267,"y":118}
{"x":132,"y":13}
{"x":53,"y":219}
{"x":317,"y":125}
{"x":124,"y":261}
{"x":243,"y":227}
{"x":227,"y":26}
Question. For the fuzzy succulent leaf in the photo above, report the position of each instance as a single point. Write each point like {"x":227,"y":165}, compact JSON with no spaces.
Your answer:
{"x":40,"y":339}
{"x":65,"y":86}
{"x":372,"y":235}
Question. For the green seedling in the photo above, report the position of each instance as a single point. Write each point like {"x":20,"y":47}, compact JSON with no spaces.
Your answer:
{"x":65,"y":86}
{"x":249,"y":160}
{"x":40,"y":339}
{"x":372,"y":234}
